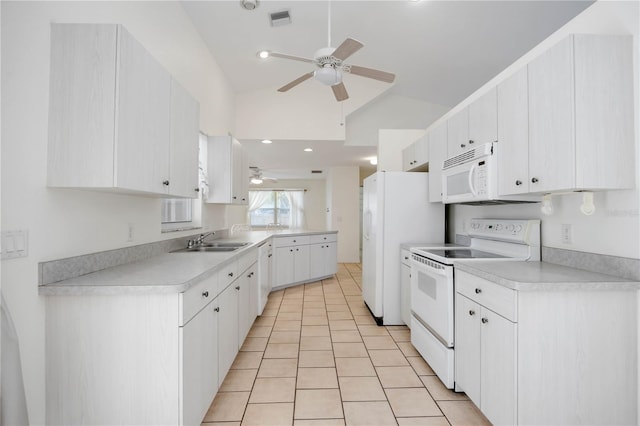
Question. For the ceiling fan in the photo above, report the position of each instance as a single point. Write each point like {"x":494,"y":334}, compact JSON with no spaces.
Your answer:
{"x":257,"y":178}
{"x":330,"y":66}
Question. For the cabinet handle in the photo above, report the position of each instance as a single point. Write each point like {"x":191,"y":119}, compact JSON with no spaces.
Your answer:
{"x":235,"y":198}
{"x":472,"y":312}
{"x":165,"y":182}
{"x":478,"y":290}
{"x":230,"y":274}
{"x":197,"y":189}
{"x":462,"y":145}
{"x":216,"y":309}
{"x":470,"y":141}
{"x":518,"y":182}
{"x":205,"y":294}
{"x":534,"y":180}
{"x":294,"y":241}
{"x":270,"y":255}
{"x":325,"y":238}
{"x":237,"y":287}
{"x":485,"y":320}
{"x":297,"y":249}
{"x":406,"y":258}
{"x":291,"y":250}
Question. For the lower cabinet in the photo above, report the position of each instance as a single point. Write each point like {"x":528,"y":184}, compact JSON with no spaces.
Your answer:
{"x":198,"y":364}
{"x":405,"y":287}
{"x":304,"y":259}
{"x":323,"y":259}
{"x":247,"y":287}
{"x":227,"y":330}
{"x":547,"y":356}
{"x":292,"y":265}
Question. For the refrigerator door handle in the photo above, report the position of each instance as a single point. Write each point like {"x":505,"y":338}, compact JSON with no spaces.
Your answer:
{"x":367,"y":225}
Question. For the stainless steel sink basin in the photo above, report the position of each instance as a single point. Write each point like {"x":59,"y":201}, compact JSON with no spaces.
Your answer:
{"x":212,"y":248}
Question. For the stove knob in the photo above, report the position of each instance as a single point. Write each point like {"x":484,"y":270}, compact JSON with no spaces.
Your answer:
{"x":518,"y":229}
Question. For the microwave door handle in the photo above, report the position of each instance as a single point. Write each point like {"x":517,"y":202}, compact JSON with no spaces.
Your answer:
{"x":471,"y":172}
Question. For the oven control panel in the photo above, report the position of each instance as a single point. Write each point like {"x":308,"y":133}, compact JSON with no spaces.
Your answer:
{"x":512,"y":230}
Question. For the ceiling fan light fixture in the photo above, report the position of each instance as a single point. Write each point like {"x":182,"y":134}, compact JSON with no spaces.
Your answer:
{"x":267,"y":141}
{"x":308,"y":150}
{"x":256,"y":180}
{"x":263,"y":54}
{"x":328,"y":75}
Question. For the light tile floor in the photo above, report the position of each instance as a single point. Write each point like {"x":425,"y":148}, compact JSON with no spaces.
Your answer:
{"x":316,"y":357}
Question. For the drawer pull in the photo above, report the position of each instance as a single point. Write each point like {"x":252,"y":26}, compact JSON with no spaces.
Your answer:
{"x":230,"y":274}
{"x":534,"y":180}
{"x":237,"y":287}
{"x":294,"y":241}
{"x":205,"y":294}
{"x":518,"y":182}
{"x":485,"y":320}
{"x":472,"y":312}
{"x":217,"y":309}
{"x":478,"y":290}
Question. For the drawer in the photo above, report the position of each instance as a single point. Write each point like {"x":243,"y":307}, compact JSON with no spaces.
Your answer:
{"x":197,"y":297}
{"x":226,"y":275}
{"x":247,"y":260}
{"x":499,"y":299}
{"x":323,"y":238}
{"x":405,"y":257}
{"x":290,"y":241}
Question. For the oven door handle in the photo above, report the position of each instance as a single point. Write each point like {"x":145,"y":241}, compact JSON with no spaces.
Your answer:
{"x":428,"y":269}
{"x":471,"y":172}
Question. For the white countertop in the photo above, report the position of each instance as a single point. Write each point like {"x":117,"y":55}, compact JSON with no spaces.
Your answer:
{"x":166,"y":273}
{"x":544,"y":276}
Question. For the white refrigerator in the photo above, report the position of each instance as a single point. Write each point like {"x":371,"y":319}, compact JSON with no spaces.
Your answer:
{"x":396,"y":210}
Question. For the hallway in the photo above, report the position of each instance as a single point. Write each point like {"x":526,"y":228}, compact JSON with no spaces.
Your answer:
{"x":316,"y":357}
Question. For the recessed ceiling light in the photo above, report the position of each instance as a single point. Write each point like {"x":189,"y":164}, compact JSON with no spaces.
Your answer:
{"x":373,"y":161}
{"x":308,"y":150}
{"x":263,"y":54}
{"x":267,"y":141}
{"x":248,"y":4}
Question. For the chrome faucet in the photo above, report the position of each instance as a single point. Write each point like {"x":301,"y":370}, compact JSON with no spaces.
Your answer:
{"x":200,"y":240}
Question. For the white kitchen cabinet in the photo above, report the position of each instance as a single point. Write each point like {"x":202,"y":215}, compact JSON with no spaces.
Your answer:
{"x":228,"y":330}
{"x":517,"y":351}
{"x":405,"y":287}
{"x":416,"y":156}
{"x":110,"y":113}
{"x":581,"y":131}
{"x":246,"y":285}
{"x":199,"y":364}
{"x":228,"y":171}
{"x":513,"y":134}
{"x":322,"y":259}
{"x":437,"y":155}
{"x":458,"y":133}
{"x":483,"y":120}
{"x":304,"y":258}
{"x":185,"y":124}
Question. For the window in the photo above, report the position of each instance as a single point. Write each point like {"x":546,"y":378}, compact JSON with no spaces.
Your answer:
{"x":278,"y":207}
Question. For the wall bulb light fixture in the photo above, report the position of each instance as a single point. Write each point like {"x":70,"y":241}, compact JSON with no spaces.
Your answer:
{"x":547,"y":205}
{"x":587,"y":207}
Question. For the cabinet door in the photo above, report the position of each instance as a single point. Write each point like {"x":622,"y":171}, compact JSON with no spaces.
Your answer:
{"x":254,"y":288}
{"x":498,"y":368}
{"x":244,"y":299}
{"x":513,"y":134}
{"x":408,"y":157}
{"x":219,"y":159}
{"x":331,"y":258}
{"x":483,"y":120}
{"x":467,"y":351}
{"x":185,"y":119}
{"x":421,"y":150}
{"x":317,"y":261}
{"x":551,"y":119}
{"x":143,"y":119}
{"x":227,"y":330}
{"x":437,"y":155}
{"x":458,"y":133}
{"x":301,"y":263}
{"x":405,"y":294}
{"x":239,"y":176}
{"x":198,"y":365}
{"x":284,"y":266}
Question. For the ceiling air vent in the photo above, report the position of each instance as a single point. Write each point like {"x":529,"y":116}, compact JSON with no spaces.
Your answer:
{"x":316,"y":171}
{"x":280,"y":18}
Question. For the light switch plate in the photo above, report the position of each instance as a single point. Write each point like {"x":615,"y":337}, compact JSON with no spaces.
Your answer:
{"x":15,"y":244}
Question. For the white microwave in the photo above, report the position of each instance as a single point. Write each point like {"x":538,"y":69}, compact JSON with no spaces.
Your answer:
{"x":472,"y":178}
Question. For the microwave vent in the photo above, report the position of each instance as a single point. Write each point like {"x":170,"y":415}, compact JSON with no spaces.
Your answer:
{"x":470,"y":155}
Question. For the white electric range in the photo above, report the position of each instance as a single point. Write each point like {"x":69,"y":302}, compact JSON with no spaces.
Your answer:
{"x":432,"y":283}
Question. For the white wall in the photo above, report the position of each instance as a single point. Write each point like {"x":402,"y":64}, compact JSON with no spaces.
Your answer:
{"x":343,"y":201}
{"x":391,"y":142}
{"x":64,"y":223}
{"x":390,"y":111}
{"x":614,"y":229}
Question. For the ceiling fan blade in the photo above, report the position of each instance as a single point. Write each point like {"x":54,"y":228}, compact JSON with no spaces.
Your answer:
{"x":292,"y":57}
{"x":295,"y":82}
{"x":387,"y":77}
{"x":340,"y":92}
{"x":347,"y":48}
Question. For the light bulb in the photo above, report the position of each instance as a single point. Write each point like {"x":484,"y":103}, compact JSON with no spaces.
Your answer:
{"x":256,"y":181}
{"x":547,"y":205}
{"x":264,"y":54}
{"x":587,"y":207}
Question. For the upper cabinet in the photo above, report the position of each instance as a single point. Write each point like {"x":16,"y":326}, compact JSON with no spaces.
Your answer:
{"x":458,"y":133}
{"x":228,"y":169}
{"x":415,"y":157}
{"x":111,"y":116}
{"x":437,"y":155}
{"x":565,"y":122}
{"x":474,"y":125}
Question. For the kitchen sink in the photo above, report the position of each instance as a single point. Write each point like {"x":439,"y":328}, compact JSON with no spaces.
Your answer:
{"x":212,"y":248}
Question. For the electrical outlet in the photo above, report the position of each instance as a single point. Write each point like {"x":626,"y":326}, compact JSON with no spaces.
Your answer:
{"x":130,"y":233}
{"x":565,"y":231}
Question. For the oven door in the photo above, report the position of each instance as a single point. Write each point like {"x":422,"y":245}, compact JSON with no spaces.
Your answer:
{"x":432,"y":297}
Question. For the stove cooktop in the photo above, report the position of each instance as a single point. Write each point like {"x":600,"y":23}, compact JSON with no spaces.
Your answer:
{"x":461,"y":253}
